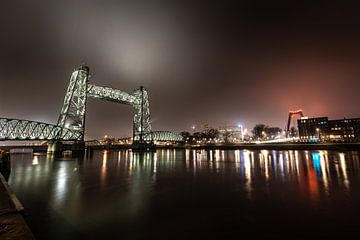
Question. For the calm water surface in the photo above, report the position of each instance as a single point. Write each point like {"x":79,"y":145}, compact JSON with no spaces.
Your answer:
{"x":178,"y":194}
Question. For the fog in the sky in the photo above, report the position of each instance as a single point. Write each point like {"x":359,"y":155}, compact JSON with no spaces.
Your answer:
{"x":215,"y":62}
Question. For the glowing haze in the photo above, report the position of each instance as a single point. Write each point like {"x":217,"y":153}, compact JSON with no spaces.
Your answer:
{"x":203,"y":62}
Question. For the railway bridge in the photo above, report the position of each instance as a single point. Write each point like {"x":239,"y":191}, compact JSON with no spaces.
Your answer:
{"x":70,"y":126}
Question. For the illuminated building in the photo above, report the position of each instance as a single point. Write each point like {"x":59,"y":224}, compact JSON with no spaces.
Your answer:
{"x":323,"y":129}
{"x":230,"y":133}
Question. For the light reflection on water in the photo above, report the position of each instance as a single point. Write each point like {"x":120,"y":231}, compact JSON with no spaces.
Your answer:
{"x":278,"y":165}
{"x":99,"y":193}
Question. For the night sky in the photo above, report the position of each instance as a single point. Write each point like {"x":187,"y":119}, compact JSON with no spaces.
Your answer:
{"x":215,"y":62}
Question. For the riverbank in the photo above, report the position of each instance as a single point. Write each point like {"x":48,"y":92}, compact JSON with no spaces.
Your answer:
{"x":283,"y":146}
{"x":12,"y":222}
{"x":250,"y":146}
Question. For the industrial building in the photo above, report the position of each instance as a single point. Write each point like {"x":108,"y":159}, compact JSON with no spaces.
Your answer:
{"x":323,"y":129}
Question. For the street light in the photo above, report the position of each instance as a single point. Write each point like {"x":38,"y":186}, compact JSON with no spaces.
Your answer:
{"x":318,"y":133}
{"x":193,"y":129}
{"x":241,"y":127}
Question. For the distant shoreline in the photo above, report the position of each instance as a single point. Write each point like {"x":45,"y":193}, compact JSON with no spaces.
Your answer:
{"x":264,"y":146}
{"x":248,"y":146}
{"x":284,"y":146}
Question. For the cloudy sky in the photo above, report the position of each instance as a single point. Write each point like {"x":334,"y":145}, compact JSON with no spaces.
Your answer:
{"x":215,"y":62}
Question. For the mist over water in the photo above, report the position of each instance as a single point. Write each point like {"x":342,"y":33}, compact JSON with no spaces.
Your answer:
{"x":177,"y":194}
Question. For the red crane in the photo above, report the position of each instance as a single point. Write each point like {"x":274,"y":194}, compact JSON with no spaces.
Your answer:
{"x":291,"y":114}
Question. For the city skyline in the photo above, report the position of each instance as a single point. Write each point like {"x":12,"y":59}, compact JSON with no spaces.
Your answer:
{"x":219,"y":64}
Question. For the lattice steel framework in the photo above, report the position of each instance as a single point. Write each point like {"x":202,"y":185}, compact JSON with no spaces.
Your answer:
{"x":16,"y":129}
{"x":71,"y":122}
{"x":163,"y":136}
{"x":72,"y":115}
{"x":139,"y":100}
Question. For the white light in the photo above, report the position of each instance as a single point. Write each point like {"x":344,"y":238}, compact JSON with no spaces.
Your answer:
{"x":35,"y":160}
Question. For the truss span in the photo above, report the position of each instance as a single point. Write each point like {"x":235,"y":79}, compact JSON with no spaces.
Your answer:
{"x":16,"y":129}
{"x":163,"y":136}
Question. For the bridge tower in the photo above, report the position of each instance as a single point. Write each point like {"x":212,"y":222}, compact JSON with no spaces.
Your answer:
{"x":73,"y":112}
{"x":72,"y":115}
{"x":142,"y":125}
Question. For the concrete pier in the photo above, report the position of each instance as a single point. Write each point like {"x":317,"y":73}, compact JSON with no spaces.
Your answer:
{"x":58,"y":148}
{"x":12,"y":223}
{"x":143,"y":147}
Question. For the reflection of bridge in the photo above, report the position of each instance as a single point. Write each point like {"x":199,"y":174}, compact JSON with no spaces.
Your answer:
{"x":71,"y":123}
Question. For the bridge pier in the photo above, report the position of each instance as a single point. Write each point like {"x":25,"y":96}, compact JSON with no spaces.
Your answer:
{"x":58,"y":148}
{"x":138,"y":146}
{"x":55,"y":148}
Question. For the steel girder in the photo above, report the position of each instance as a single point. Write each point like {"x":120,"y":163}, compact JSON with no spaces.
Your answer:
{"x":111,"y":94}
{"x":164,"y":136}
{"x":16,"y":129}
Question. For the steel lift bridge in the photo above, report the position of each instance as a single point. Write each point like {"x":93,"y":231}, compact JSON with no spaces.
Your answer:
{"x":71,"y":123}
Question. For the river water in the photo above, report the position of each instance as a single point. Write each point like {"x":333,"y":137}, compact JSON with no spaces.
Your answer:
{"x":186,"y":194}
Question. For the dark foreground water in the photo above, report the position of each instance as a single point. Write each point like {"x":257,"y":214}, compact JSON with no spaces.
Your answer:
{"x":178,"y":194}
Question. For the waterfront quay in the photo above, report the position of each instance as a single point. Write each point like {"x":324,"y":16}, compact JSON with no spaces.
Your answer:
{"x":249,"y":146}
{"x":283,"y":146}
{"x":12,"y":223}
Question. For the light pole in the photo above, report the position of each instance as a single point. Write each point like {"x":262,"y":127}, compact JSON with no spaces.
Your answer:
{"x":241,"y":127}
{"x":318,"y":133}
